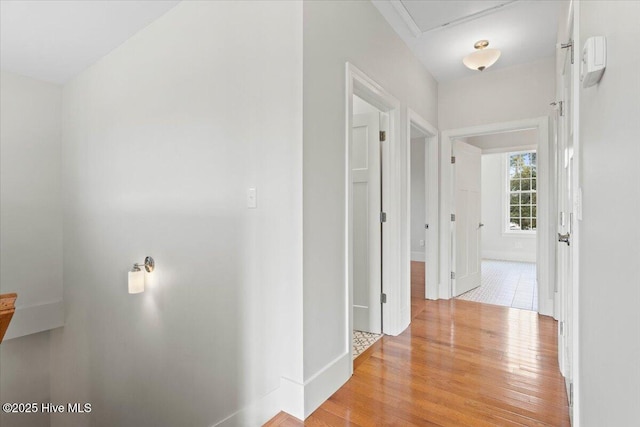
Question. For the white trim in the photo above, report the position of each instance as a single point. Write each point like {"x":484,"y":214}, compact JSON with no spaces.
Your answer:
{"x":509,"y":256}
{"x":255,"y":414}
{"x":358,"y":83}
{"x":512,"y":149}
{"x":577,"y":153}
{"x":406,"y":17}
{"x":288,"y":397}
{"x":291,"y":398}
{"x":294,"y":398}
{"x":545,"y":236}
{"x":323,"y":384}
{"x":36,"y":318}
{"x":526,"y":234}
{"x":418,"y":256}
{"x":432,"y":235}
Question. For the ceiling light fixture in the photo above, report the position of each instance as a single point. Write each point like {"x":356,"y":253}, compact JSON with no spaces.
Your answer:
{"x":482,"y":58}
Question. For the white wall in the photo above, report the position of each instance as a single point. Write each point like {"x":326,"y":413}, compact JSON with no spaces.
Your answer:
{"x":31,"y":213}
{"x":494,"y":96}
{"x":336,"y":32}
{"x":418,"y":202}
{"x":495,"y":243}
{"x":609,"y":240}
{"x":30,"y":238}
{"x":161,"y":139}
{"x":24,"y":377}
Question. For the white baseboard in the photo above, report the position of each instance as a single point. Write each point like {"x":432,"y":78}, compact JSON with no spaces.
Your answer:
{"x":292,"y":397}
{"x":298,"y":400}
{"x":418,"y":256}
{"x":257,"y":413}
{"x":35,"y":318}
{"x":443,"y":291}
{"x":326,"y":382}
{"x":509,"y":256}
{"x":545,"y":307}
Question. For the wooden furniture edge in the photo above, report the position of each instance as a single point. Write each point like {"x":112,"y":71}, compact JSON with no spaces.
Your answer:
{"x":7,"y":308}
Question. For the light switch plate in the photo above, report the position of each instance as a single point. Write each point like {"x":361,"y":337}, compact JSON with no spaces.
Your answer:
{"x":252,"y":198}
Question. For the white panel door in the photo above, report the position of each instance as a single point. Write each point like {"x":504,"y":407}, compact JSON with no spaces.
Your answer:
{"x":564,"y":254}
{"x":367,"y":238}
{"x":466,"y":260}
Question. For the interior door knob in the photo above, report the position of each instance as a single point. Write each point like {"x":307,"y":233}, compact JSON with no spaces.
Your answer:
{"x":564,"y":238}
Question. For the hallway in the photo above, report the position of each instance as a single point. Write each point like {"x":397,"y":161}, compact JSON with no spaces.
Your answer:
{"x":459,"y":363}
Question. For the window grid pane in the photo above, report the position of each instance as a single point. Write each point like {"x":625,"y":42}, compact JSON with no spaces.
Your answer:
{"x":522,"y":191}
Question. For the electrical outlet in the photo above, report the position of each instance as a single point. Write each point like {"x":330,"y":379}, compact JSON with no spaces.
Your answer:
{"x":518,"y":244}
{"x":421,"y":242}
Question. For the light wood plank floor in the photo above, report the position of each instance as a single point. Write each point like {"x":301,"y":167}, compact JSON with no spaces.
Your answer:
{"x":460,"y":363}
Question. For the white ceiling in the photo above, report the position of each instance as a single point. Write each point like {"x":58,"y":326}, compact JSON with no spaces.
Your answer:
{"x":55,"y":40}
{"x":505,"y":141}
{"x":442,"y":32}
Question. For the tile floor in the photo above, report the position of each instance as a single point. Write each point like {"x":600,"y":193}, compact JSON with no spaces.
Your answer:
{"x":362,"y":341}
{"x":506,"y":283}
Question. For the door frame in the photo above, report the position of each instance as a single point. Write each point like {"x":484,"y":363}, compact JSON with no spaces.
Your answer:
{"x":358,"y":83}
{"x":432,"y":234}
{"x":546,"y":186}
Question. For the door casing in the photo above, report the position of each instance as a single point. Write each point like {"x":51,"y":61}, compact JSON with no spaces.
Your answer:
{"x":546,"y":210}
{"x":358,"y":83}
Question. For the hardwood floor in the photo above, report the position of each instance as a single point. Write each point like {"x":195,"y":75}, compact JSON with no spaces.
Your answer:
{"x":417,"y":279}
{"x":460,"y":363}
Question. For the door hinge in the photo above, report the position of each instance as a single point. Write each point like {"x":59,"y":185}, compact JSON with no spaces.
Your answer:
{"x":453,"y":275}
{"x":453,"y":217}
{"x":453,"y":160}
{"x":426,"y":226}
{"x":561,"y":328}
{"x":568,"y":46}
{"x":383,"y":298}
{"x":571,"y":394}
{"x":383,"y":217}
{"x":383,"y":136}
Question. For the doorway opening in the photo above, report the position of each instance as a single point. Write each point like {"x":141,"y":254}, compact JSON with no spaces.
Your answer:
{"x":418,"y":215}
{"x":495,"y":246}
{"x":421,"y":265}
{"x":513,"y":218}
{"x":422,"y":238}
{"x":372,"y":238}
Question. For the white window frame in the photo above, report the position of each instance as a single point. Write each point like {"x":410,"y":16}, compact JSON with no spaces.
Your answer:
{"x":506,"y":197}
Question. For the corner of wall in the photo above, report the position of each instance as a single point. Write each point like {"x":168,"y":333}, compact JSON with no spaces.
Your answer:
{"x":326,"y":382}
{"x":297,"y":399}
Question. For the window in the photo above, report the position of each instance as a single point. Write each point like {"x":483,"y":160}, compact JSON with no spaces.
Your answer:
{"x":522,"y":193}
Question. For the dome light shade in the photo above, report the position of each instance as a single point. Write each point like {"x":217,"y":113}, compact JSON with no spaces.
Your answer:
{"x":482,"y":58}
